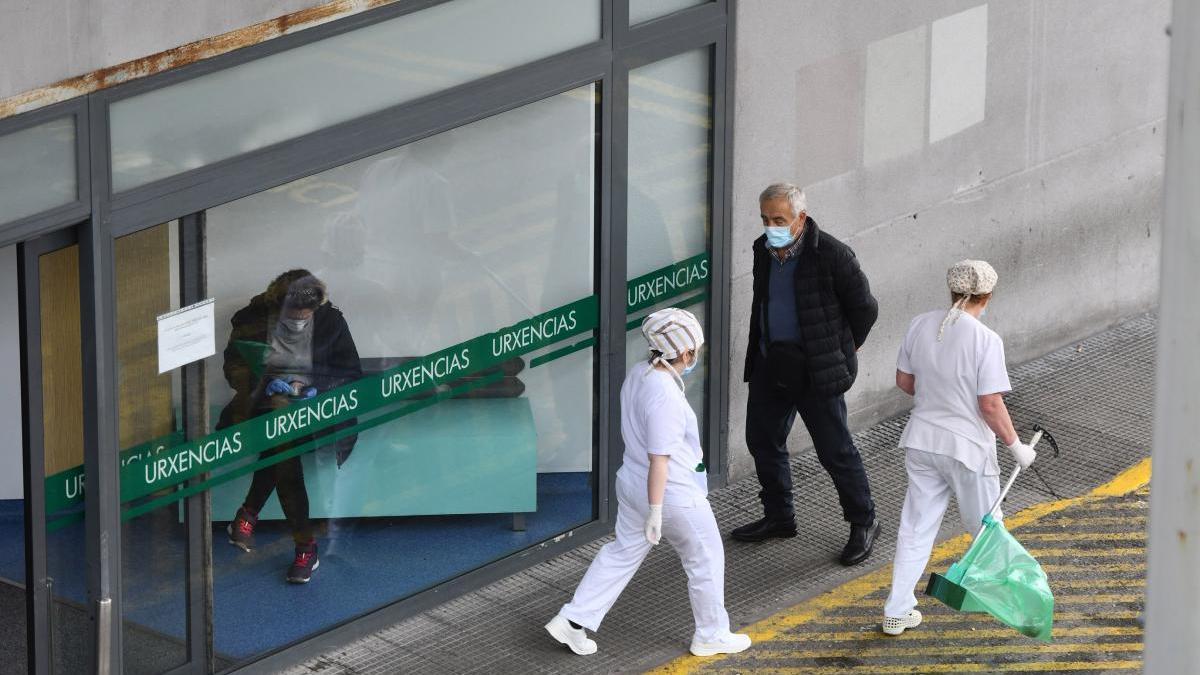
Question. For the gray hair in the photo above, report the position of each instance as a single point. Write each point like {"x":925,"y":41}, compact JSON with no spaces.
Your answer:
{"x":792,"y":193}
{"x":789,"y":191}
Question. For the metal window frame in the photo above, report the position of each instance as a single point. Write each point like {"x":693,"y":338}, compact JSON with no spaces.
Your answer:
{"x":713,"y":35}
{"x":32,"y":226}
{"x":193,"y":287}
{"x":185,"y":196}
{"x":100,"y":395}
{"x":681,"y":20}
{"x":349,"y":141}
{"x":39,"y":599}
{"x":723,"y":95}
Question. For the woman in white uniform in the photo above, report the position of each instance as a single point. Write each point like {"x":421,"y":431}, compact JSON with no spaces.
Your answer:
{"x":662,"y":490}
{"x":953,"y":366}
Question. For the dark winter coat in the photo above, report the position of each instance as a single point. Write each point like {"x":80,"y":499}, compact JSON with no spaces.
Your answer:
{"x":834,"y":306}
{"x":334,"y":362}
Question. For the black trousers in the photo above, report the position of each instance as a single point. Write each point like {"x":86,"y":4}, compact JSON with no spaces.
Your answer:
{"x":770,"y":412}
{"x":286,"y":478}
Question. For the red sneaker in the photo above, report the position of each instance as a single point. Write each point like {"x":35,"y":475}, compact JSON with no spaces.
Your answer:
{"x":241,"y":530}
{"x":305,"y":564}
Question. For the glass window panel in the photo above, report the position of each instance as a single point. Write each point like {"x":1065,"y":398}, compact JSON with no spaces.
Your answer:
{"x":37,"y":169}
{"x":62,"y":444}
{"x":436,"y":249}
{"x":150,"y":409}
{"x":12,"y":468}
{"x":644,"y":10}
{"x":670,"y":125}
{"x":210,"y":118}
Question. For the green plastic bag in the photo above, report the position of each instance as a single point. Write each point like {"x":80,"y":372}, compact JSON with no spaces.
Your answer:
{"x":998,"y":576}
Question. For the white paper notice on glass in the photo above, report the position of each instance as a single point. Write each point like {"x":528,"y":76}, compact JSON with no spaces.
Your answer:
{"x":188,"y":334}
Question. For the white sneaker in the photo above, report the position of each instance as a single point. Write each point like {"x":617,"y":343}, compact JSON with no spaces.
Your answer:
{"x":575,"y":638}
{"x":895,"y":626}
{"x":732,"y":643}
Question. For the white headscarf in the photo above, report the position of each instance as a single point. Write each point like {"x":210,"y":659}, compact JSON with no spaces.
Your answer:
{"x":966,"y":278}
{"x":671,"y":332}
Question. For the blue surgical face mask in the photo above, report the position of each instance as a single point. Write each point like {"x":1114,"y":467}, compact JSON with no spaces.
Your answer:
{"x":982,"y":312}
{"x":692,"y":366}
{"x":778,"y":236}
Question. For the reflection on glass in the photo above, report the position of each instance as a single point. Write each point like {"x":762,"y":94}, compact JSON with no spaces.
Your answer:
{"x":670,"y":124}
{"x":62,"y":443}
{"x":154,"y":545}
{"x":402,"y":389}
{"x":286,"y":95}
{"x":288,"y":345}
{"x":38,"y":171}
{"x":13,"y":586}
{"x":644,"y":10}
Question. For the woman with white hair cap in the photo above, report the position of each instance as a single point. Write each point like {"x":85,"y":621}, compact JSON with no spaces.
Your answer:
{"x":662,"y":490}
{"x":953,"y":366}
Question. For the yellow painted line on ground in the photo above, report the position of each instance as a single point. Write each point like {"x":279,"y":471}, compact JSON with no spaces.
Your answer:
{"x":1095,"y":598}
{"x":968,"y":651}
{"x":1040,"y":553}
{"x":958,"y":634}
{"x":1132,"y":567}
{"x":846,"y":594}
{"x":1059,"y":600}
{"x":1132,"y":479}
{"x":1038,"y":666}
{"x":1083,"y":536}
{"x":969,"y":617}
{"x":1131,"y":507}
{"x":1091,"y":521}
{"x":1056,"y":584}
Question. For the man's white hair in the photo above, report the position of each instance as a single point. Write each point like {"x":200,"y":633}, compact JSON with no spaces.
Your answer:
{"x":792,"y":193}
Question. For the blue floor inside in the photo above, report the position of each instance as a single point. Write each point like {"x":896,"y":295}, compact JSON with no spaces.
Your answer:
{"x":365,"y":564}
{"x":12,"y":550}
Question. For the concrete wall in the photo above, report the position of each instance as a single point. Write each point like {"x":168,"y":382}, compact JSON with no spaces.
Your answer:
{"x":44,"y":41}
{"x":1024,"y":132}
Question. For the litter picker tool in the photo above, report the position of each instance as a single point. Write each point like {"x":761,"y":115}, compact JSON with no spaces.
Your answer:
{"x":998,"y":576}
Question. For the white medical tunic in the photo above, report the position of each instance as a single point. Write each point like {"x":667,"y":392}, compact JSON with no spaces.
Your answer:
{"x":657,"y":420}
{"x":951,"y":375}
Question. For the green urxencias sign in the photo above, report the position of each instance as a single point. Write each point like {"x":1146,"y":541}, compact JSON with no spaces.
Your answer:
{"x":168,"y":462}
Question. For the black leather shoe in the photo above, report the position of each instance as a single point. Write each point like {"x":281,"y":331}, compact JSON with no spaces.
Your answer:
{"x":862,"y":539}
{"x":765,"y":528}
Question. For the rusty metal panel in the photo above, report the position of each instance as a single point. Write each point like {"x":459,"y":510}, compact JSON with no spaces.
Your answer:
{"x":183,"y":55}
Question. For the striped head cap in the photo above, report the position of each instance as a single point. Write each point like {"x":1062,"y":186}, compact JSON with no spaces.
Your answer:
{"x":672,"y":331}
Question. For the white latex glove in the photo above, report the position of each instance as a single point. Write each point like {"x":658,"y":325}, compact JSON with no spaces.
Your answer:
{"x":654,"y":524}
{"x":1022,"y":453}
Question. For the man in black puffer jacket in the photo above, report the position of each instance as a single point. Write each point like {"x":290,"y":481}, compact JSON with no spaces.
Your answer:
{"x":812,"y":310}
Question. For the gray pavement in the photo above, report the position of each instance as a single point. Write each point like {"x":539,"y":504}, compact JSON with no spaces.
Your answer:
{"x":1095,"y":396}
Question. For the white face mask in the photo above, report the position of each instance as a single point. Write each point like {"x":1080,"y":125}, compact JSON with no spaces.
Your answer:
{"x":295,"y":325}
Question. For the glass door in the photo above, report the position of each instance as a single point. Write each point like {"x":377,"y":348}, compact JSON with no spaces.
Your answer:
{"x":13,"y":586}
{"x":59,"y":630}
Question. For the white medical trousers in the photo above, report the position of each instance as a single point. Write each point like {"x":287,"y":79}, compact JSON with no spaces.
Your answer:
{"x":691,"y":531}
{"x":932,"y":478}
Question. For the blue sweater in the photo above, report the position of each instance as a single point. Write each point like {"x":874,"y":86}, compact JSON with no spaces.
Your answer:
{"x":782,"y":323}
